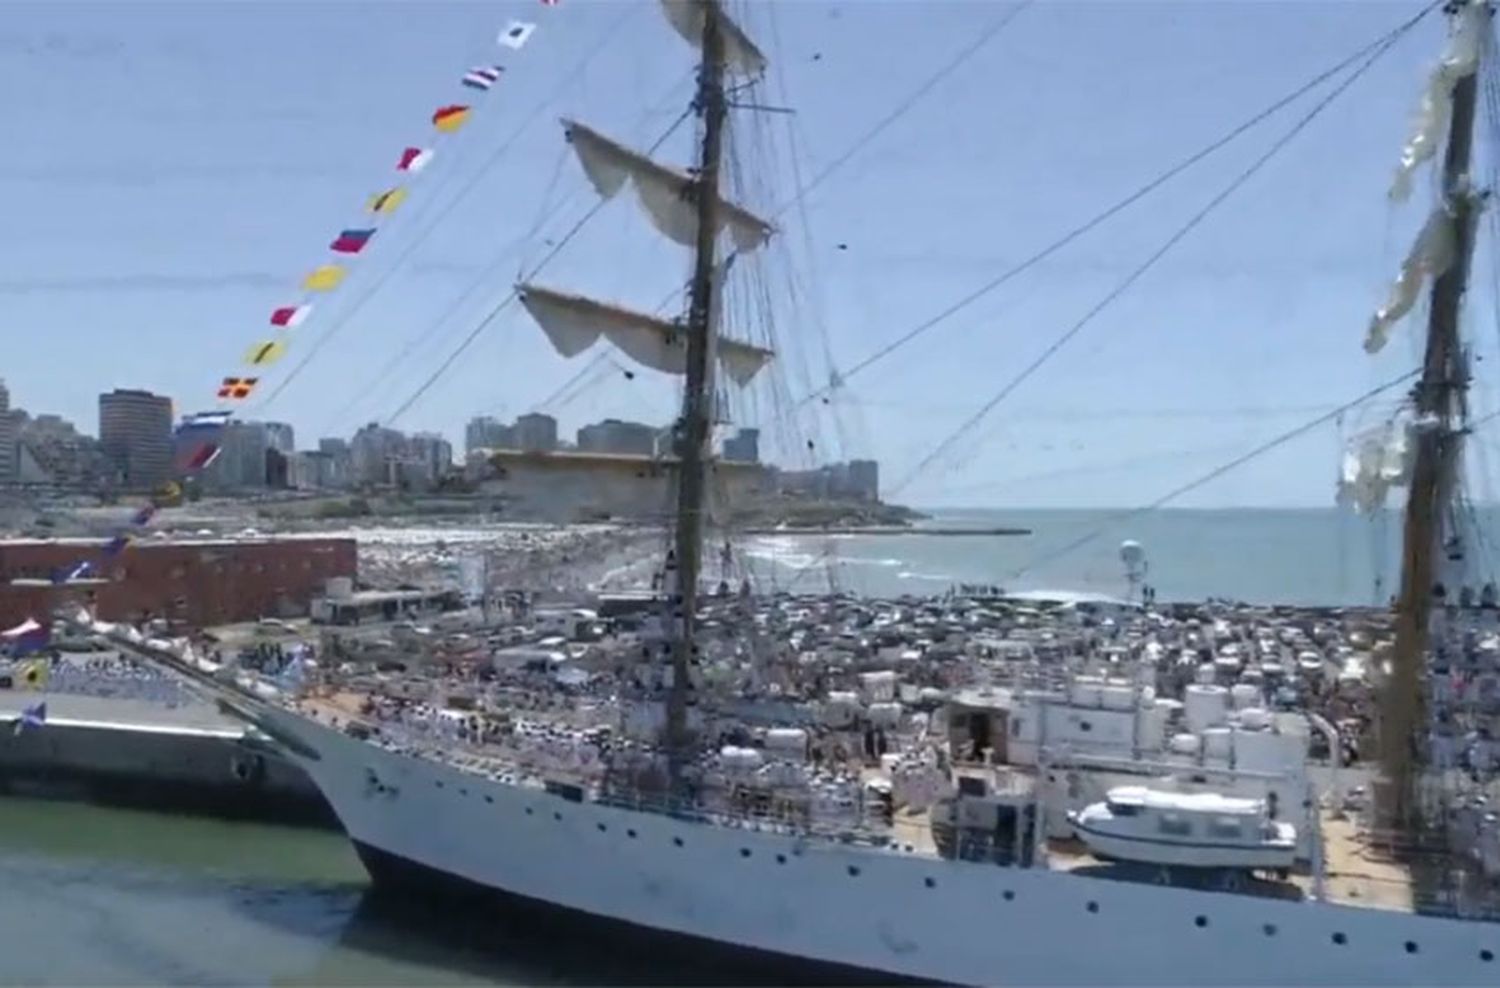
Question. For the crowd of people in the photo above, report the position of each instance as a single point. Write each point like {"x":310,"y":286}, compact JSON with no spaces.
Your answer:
{"x":115,"y":677}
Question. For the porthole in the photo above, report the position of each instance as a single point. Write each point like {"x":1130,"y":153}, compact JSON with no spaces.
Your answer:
{"x":1008,"y":895}
{"x":1340,"y":939}
{"x":630,"y":834}
{"x":1092,"y":907}
{"x":557,"y":816}
{"x":853,"y":871}
{"x":462,"y":791}
{"x":1200,"y":921}
{"x":602,"y":827}
{"x":489,"y":799}
{"x":677,"y":841}
{"x":528,"y":811}
{"x":930,"y":882}
{"x":1411,"y":946}
{"x":1486,"y":955}
{"x":781,"y":859}
{"x":744,"y":852}
{"x":439,"y":783}
{"x":1269,"y":929}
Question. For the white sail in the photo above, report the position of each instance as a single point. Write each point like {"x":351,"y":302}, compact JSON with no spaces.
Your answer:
{"x":574,"y":323}
{"x":665,"y":193}
{"x":1430,"y":256}
{"x":1460,"y":60}
{"x":1375,"y":462}
{"x":740,"y":53}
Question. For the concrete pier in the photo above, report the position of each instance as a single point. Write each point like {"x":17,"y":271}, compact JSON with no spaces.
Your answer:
{"x":129,"y":752}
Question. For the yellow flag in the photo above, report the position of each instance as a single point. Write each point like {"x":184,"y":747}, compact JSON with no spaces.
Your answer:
{"x":386,"y":202}
{"x":265,"y":354}
{"x":34,"y":675}
{"x":324,"y":278}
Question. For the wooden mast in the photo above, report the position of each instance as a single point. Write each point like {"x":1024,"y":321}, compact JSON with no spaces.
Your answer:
{"x":1439,"y":398}
{"x":697,"y":402}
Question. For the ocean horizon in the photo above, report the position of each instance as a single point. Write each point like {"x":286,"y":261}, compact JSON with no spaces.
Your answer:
{"x":1308,"y":556}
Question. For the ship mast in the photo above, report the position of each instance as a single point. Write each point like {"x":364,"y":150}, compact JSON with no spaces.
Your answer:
{"x":1439,"y":397}
{"x":687,"y":207}
{"x":697,"y":402}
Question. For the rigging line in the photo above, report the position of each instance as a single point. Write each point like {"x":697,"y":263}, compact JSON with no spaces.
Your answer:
{"x":901,"y":110}
{"x":588,"y":368}
{"x":1216,"y":473}
{"x":905,"y":106}
{"x":1140,"y":271}
{"x":343,"y":320}
{"x":1379,"y":44}
{"x":510,"y":297}
{"x":518,"y":244}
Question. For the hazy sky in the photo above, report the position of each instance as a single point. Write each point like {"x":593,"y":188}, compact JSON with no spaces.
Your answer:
{"x":174,"y":169}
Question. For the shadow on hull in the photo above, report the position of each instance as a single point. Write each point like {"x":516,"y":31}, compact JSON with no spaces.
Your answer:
{"x":552,"y":943}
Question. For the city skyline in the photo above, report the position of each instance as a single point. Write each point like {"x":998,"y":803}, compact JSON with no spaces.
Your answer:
{"x":140,"y":446}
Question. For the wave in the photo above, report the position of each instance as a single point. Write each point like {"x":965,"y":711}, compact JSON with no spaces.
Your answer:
{"x":926,"y":577}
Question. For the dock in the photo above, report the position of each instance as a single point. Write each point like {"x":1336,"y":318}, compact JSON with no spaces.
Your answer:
{"x":127,"y":752}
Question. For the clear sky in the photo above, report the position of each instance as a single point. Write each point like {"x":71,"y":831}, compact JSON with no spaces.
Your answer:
{"x":173,"y":169}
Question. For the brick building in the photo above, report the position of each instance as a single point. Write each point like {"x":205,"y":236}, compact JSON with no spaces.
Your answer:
{"x":193,"y":584}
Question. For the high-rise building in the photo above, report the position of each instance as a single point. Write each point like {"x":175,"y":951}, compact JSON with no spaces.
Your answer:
{"x":374,"y":451}
{"x":863,"y":480}
{"x":337,"y":470}
{"x":9,"y":428}
{"x":616,"y":436}
{"x":135,"y":432}
{"x":430,"y":457}
{"x":241,"y":463}
{"x":485,"y":432}
{"x":281,"y":438}
{"x":744,"y":447}
{"x":536,"y":432}
{"x":54,"y":452}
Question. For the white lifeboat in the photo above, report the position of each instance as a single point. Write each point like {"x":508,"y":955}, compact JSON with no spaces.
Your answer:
{"x":1190,"y":830}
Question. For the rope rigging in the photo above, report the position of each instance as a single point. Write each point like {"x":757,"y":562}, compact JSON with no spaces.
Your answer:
{"x":605,"y":39}
{"x":1214,"y":474}
{"x":1151,"y":260}
{"x":1380,"y":44}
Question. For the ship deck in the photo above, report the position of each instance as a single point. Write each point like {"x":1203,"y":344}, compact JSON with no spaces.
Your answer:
{"x":1357,"y":873}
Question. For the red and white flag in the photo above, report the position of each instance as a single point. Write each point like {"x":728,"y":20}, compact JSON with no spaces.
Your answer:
{"x":291,"y":316}
{"x":414,"y":159}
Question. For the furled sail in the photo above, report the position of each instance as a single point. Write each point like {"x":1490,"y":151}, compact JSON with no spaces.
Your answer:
{"x":665,"y":193}
{"x":574,"y":323}
{"x":1460,"y":60}
{"x":686,"y":18}
{"x":1430,"y":256}
{"x":1375,"y":462}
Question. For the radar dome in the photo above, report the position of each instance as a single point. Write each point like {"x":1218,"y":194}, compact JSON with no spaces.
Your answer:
{"x":1131,"y":553}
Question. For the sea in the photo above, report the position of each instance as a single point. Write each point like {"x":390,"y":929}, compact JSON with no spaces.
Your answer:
{"x":1319,"y":556}
{"x":100,"y":896}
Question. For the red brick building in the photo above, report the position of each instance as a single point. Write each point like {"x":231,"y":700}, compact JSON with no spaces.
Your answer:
{"x":193,"y":584}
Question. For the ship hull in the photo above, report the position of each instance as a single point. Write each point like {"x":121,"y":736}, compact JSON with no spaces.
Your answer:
{"x":898,"y":914}
{"x":700,"y":959}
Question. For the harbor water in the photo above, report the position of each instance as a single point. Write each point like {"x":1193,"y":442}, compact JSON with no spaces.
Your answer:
{"x":98,"y":896}
{"x":107,"y":896}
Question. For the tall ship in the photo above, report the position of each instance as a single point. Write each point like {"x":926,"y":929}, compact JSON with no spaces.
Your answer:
{"x":1120,"y":816}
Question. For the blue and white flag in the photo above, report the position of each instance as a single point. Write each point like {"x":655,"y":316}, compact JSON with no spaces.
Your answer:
{"x":32,"y":717}
{"x":483,"y":77}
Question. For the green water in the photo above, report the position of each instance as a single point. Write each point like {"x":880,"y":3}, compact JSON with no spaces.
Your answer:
{"x":94,"y":896}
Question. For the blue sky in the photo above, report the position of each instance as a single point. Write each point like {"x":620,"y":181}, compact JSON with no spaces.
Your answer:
{"x":174,"y":169}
